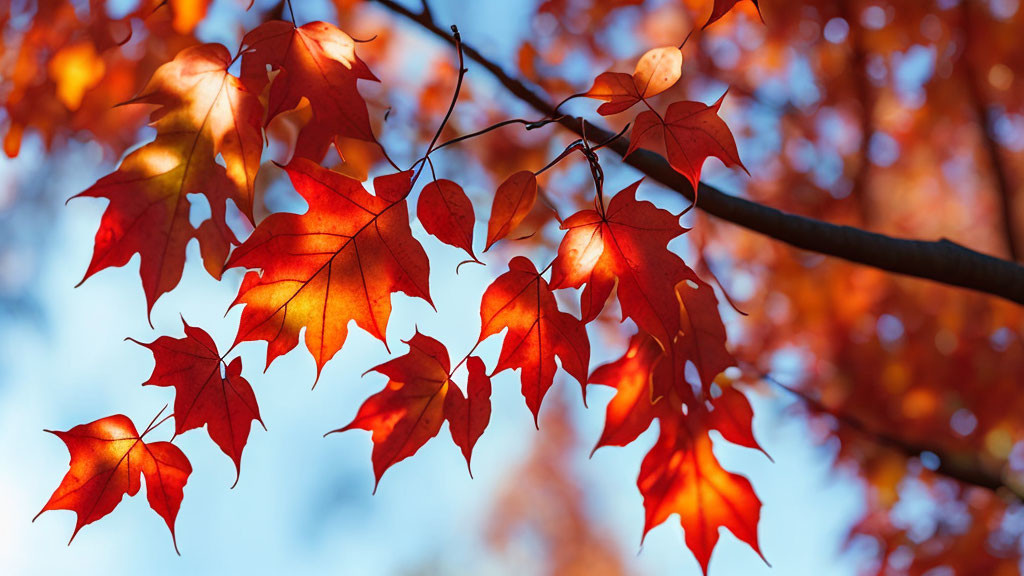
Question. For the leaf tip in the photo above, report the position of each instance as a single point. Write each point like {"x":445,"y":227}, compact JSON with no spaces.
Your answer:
{"x":336,"y":431}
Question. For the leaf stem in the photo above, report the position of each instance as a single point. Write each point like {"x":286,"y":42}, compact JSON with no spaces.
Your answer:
{"x":464,"y":358}
{"x":577,"y":144}
{"x":613,"y":138}
{"x":291,"y":12}
{"x":153,"y":424}
{"x":566,"y":100}
{"x":384,"y":152}
{"x":687,"y":39}
{"x":651,"y":108}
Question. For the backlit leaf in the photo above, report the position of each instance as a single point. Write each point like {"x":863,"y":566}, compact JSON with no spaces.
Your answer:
{"x":204,"y":112}
{"x":318,"y":62}
{"x":447,"y":214}
{"x":538,"y":331}
{"x":656,"y":71}
{"x":628,"y":245}
{"x":512,"y":203}
{"x":204,"y":396}
{"x":680,"y":475}
{"x":340,"y":261}
{"x":691,"y":133}
{"x":108,"y":460}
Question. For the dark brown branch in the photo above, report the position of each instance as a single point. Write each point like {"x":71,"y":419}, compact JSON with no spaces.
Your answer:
{"x":963,"y":468}
{"x":942,"y":261}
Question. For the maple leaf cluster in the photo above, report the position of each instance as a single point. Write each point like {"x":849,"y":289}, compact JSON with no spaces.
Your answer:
{"x":887,"y":401}
{"x":343,"y":259}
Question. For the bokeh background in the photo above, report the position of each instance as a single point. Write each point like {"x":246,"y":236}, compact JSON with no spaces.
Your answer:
{"x":881,"y":114}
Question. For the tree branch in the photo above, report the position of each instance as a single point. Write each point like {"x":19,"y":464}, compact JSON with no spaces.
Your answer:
{"x":942,"y":261}
{"x":963,"y":468}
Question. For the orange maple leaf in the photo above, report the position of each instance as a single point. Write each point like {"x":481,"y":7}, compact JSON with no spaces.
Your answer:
{"x":680,"y":475}
{"x":108,"y":458}
{"x":340,"y":261}
{"x":204,"y":112}
{"x":650,"y":383}
{"x":635,"y":404}
{"x":522,"y":301}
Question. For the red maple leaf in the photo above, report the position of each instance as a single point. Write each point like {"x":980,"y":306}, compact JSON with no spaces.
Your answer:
{"x":700,"y":340}
{"x":204,"y":396}
{"x":650,"y":383}
{"x":317,"y":61}
{"x":469,"y":414}
{"x":680,"y":474}
{"x":637,"y":401}
{"x":689,"y":134}
{"x":627,"y":243}
{"x":702,"y":335}
{"x":522,"y":301}
{"x":204,"y":113}
{"x":108,"y":458}
{"x":733,"y":417}
{"x":418,"y":398}
{"x":340,"y":261}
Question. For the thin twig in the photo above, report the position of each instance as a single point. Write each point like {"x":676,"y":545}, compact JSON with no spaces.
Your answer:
{"x":530,"y":125}
{"x":457,"y":40}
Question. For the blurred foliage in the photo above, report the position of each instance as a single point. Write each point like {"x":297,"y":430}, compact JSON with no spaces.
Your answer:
{"x":901,"y":117}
